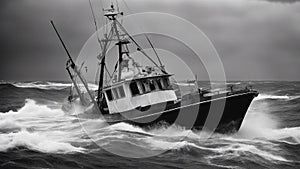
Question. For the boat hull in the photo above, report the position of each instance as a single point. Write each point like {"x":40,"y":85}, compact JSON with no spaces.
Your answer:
{"x":223,"y":113}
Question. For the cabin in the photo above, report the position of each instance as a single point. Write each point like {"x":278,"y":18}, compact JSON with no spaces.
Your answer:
{"x":131,"y":94}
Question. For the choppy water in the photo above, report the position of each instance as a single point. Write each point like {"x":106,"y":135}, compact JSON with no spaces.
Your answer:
{"x":36,"y":133}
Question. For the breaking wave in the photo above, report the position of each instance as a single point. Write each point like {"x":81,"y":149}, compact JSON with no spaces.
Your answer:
{"x":37,"y":127}
{"x":42,"y":85}
{"x":36,"y":141}
{"x":185,"y":141}
{"x":48,"y":129}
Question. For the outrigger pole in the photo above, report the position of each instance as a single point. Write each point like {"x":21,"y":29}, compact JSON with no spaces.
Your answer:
{"x":63,"y":44}
{"x":71,"y":63}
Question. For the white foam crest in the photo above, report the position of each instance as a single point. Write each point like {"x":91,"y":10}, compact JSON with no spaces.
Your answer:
{"x":9,"y":125}
{"x":238,"y":149}
{"x":287,"y":135}
{"x":127,"y":127}
{"x":32,"y":115}
{"x":50,"y":130}
{"x":233,"y":83}
{"x":50,"y":85}
{"x":174,"y":131}
{"x":274,"y":97}
{"x":294,"y":97}
{"x":230,"y":150}
{"x":36,"y":141}
{"x":238,"y":139}
{"x":158,"y":144}
{"x":42,"y":85}
{"x":32,"y":110}
{"x":110,"y":137}
{"x":165,"y":145}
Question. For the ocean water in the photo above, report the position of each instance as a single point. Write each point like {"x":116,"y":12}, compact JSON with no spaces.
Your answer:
{"x":36,"y":133}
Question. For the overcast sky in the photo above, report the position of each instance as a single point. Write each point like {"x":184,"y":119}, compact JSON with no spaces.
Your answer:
{"x":256,"y":39}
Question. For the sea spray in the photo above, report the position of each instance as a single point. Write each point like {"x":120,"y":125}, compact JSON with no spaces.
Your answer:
{"x":258,"y":122}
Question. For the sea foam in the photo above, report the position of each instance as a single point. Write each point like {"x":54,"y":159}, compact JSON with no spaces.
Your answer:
{"x":37,"y":127}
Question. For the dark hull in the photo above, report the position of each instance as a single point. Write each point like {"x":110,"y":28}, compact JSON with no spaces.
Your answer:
{"x":225,"y":111}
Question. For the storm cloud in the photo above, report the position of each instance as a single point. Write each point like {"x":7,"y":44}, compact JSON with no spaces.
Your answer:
{"x":256,"y":39}
{"x":283,"y":1}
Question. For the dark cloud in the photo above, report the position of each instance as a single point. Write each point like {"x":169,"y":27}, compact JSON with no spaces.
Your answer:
{"x":283,"y":1}
{"x":255,"y":40}
{"x":29,"y":47}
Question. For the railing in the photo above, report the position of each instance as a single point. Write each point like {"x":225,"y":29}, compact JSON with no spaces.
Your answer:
{"x":229,"y":90}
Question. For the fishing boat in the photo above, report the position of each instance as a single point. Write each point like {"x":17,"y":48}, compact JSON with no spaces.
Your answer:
{"x":145,"y":96}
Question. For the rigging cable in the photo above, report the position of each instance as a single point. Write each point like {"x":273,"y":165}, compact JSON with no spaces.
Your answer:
{"x":161,"y":67}
{"x":95,"y":22}
{"x":139,"y":47}
{"x":154,"y":51}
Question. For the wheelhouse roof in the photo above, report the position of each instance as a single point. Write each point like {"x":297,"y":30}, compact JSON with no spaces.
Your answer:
{"x":138,"y":79}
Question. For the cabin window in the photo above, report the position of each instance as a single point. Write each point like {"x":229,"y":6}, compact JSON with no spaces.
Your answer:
{"x":115,"y":93}
{"x":141,"y":87}
{"x":165,"y":83}
{"x":158,"y":84}
{"x":152,"y":86}
{"x":134,"y":88}
{"x":147,"y":86}
{"x":109,"y":95}
{"x":121,"y":91}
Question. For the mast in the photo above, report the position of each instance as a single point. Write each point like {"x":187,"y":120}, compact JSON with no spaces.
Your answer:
{"x":119,"y":34}
{"x":111,"y":15}
{"x":100,"y":95}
